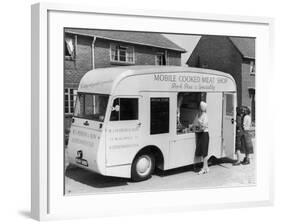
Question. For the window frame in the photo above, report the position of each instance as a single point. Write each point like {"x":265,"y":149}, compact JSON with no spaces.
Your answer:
{"x":73,"y":56}
{"x":180,"y":127}
{"x":67,"y":96}
{"x":164,"y":56}
{"x":169,"y":115}
{"x":252,"y":68}
{"x":96,"y":94}
{"x":124,"y":97}
{"x":127,"y":53}
{"x":229,"y":101}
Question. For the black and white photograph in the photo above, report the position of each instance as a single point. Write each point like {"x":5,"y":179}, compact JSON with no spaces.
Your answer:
{"x":133,"y":112}
{"x":140,"y":112}
{"x":150,"y":111}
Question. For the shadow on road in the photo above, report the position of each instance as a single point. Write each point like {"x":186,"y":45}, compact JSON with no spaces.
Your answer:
{"x":195,"y":167}
{"x":163,"y":173}
{"x":221,"y":162}
{"x":93,"y":179}
{"x":98,"y":181}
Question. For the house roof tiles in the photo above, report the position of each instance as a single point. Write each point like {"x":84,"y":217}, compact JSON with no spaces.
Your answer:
{"x":141,"y":38}
{"x":246,"y":46}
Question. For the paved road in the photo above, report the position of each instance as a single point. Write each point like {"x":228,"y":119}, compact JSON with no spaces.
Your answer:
{"x":222,"y":174}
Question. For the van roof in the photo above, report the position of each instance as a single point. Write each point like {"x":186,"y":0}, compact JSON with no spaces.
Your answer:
{"x":102,"y":80}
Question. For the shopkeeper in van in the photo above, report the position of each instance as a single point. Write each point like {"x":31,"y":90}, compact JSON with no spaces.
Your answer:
{"x":200,"y":126}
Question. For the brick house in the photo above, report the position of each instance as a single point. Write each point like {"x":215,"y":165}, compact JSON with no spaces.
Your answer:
{"x":233,"y":55}
{"x":87,"y":49}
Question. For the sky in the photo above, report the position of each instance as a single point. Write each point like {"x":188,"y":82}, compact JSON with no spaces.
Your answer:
{"x":188,"y":42}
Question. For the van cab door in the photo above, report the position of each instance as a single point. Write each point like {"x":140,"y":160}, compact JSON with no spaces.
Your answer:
{"x":123,"y":130}
{"x":229,"y":126}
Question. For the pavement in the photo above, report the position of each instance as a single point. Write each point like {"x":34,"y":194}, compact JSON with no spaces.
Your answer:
{"x":222,"y":174}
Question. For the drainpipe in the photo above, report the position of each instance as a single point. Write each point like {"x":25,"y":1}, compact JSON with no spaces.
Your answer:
{"x":93,"y":52}
{"x":166,"y":57}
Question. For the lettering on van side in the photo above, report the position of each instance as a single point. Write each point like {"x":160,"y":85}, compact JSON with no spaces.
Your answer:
{"x":123,"y":146}
{"x":122,"y":138}
{"x":165,"y":78}
{"x":92,"y":85}
{"x":191,"y":82}
{"x":221,"y":80}
{"x":189,"y":78}
{"x":84,"y":134}
{"x":118,"y":130}
{"x":82,"y":142}
{"x":206,"y":87}
{"x":83,"y":137}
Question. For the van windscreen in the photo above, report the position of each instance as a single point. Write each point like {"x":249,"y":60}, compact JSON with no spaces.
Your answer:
{"x":91,"y":106}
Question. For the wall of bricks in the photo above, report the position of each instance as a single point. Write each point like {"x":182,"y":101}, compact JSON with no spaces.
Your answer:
{"x":75,"y":69}
{"x":144,"y":55}
{"x":102,"y":54}
{"x":220,"y":54}
{"x":248,"y":81}
{"x":174,"y":58}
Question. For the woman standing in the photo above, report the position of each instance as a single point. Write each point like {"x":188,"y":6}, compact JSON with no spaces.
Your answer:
{"x":246,"y":140}
{"x":238,"y":141}
{"x":202,"y":136}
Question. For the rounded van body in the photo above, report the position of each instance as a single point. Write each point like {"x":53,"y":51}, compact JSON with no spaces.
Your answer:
{"x":128,"y":120}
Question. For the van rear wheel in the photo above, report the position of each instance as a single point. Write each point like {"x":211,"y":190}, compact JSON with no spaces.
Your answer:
{"x":142,"y":167}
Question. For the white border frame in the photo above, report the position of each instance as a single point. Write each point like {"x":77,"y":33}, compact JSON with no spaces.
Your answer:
{"x":43,"y":197}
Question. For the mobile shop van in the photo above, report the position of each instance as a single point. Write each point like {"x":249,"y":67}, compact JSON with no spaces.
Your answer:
{"x":129,"y":120}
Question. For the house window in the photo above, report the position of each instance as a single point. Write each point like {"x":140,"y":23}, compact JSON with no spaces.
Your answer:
{"x":70,"y":47}
{"x":160,"y":59}
{"x":252,"y":68}
{"x":124,"y":109}
{"x":69,"y":100}
{"x":122,"y":54}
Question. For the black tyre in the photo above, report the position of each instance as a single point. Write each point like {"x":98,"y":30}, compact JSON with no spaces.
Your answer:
{"x":143,"y":166}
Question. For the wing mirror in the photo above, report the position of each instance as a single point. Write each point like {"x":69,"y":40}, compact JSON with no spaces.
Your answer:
{"x":116,"y":108}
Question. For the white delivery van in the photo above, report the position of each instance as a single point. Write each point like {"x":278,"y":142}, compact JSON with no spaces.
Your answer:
{"x":129,"y":120}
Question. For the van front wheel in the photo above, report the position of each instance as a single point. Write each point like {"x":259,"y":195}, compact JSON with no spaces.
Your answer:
{"x":142,"y":167}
